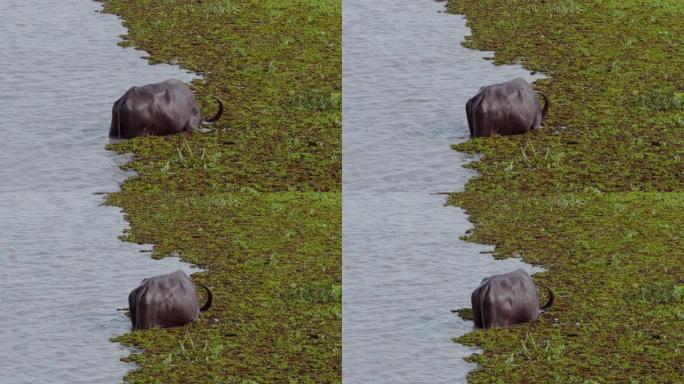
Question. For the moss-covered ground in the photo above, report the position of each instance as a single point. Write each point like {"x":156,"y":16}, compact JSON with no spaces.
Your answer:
{"x":597,"y":196}
{"x":256,"y":200}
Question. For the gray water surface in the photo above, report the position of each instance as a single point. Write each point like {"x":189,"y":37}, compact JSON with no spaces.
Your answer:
{"x":64,"y":272}
{"x":406,"y":80}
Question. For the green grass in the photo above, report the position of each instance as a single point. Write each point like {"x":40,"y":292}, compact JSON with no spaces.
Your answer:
{"x":317,"y":101}
{"x":661,"y":100}
{"x":256,"y":201}
{"x":597,"y":196}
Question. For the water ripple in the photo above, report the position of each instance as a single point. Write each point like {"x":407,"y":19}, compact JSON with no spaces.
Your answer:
{"x":64,"y":272}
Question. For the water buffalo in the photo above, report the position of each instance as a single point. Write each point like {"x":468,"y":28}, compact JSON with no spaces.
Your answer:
{"x":506,"y":299}
{"x":159,"y":109}
{"x":508,"y":108}
{"x":165,"y":301}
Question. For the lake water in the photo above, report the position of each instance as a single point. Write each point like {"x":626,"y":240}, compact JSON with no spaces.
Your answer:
{"x":406,"y":80}
{"x":64,"y":272}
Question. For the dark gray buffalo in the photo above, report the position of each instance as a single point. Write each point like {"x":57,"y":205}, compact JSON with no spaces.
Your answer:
{"x":158,"y":109}
{"x":508,"y":108}
{"x":507,"y":299}
{"x":166,"y":301}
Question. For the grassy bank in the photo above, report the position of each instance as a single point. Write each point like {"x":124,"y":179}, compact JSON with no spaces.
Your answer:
{"x":256,"y":201}
{"x":597,"y":196}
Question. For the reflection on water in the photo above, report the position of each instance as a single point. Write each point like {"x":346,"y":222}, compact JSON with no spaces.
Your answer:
{"x":64,"y":272}
{"x":406,"y":80}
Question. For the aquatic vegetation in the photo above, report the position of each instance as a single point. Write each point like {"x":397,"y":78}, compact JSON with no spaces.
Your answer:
{"x":255,"y":200}
{"x":597,"y":196}
{"x":270,"y":260}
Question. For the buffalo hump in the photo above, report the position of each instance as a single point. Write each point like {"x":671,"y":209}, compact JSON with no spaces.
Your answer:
{"x":508,"y":108}
{"x":506,"y":299}
{"x":163,"y":108}
{"x":165,"y":301}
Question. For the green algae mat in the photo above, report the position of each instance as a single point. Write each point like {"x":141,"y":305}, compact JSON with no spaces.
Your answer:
{"x":596,"y":197}
{"x":256,"y":200}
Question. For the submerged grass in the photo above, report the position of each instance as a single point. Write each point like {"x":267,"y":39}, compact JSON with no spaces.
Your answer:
{"x":256,"y":201}
{"x":597,"y":196}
